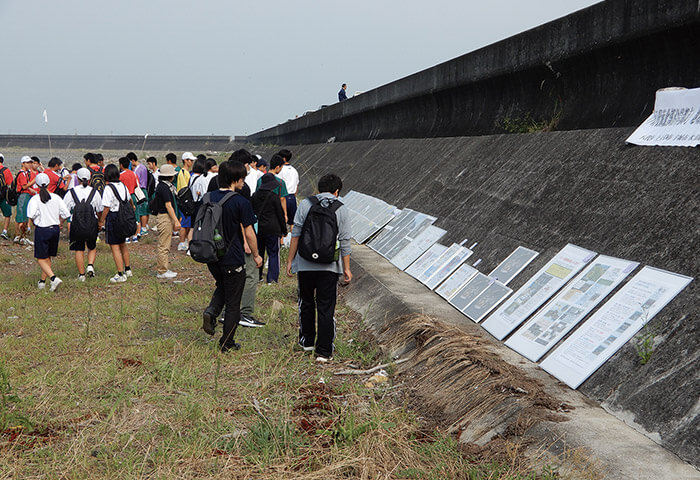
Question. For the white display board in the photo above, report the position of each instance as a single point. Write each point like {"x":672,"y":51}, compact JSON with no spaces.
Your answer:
{"x":675,"y":121}
{"x":367,"y":214}
{"x":399,"y":232}
{"x":430,"y":270}
{"x":545,"y":283}
{"x":470,"y":291}
{"x":389,"y":230}
{"x":609,"y":328}
{"x":417,"y":247}
{"x":509,"y":268}
{"x":426,"y":260}
{"x":447,"y":268}
{"x":570,"y":306}
{"x":421,"y":223}
{"x":487,"y":301}
{"x":456,"y":281}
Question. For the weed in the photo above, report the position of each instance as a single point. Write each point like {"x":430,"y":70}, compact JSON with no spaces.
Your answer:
{"x":8,"y":399}
{"x":644,"y":342}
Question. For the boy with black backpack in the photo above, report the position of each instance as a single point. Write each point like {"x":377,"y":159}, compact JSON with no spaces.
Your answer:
{"x":84,"y":203}
{"x":319,"y":253}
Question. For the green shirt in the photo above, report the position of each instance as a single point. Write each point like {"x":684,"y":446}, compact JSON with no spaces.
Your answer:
{"x":281,"y":190}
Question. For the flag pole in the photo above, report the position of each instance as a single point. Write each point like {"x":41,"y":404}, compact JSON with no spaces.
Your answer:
{"x":48,"y":134}
{"x":143,"y":145}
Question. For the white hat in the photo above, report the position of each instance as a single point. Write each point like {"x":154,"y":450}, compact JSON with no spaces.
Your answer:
{"x":3,"y":156}
{"x":26,"y":159}
{"x":167,"y":170}
{"x":84,"y":174}
{"x":188,"y":156}
{"x":42,"y":180}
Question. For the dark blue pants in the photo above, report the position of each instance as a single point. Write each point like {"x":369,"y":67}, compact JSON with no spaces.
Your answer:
{"x":271,"y":244}
{"x":317,"y":294}
{"x":229,"y":288}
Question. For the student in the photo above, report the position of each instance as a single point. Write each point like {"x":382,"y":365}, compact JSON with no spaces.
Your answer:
{"x":100,"y":160}
{"x":46,"y":210}
{"x":182,"y":180}
{"x":26,"y":188}
{"x":318,"y":282}
{"x":253,"y":173}
{"x":79,"y":236}
{"x":199,"y":181}
{"x":229,"y":271}
{"x":141,"y":173}
{"x":276,"y":163}
{"x":113,"y":193}
{"x":165,"y":220}
{"x":57,"y":182}
{"x":212,"y":170}
{"x":5,"y":207}
{"x":262,"y":165}
{"x":342,"y":94}
{"x":271,"y":225}
{"x":290,"y":175}
{"x":74,"y":182}
{"x":131,"y":182}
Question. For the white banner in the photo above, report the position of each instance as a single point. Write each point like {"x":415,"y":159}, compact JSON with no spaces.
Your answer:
{"x":675,"y":121}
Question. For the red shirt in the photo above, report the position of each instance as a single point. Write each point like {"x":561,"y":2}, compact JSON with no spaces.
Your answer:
{"x":8,"y":175}
{"x":25,"y":177}
{"x":54,"y":180}
{"x":128,"y":178}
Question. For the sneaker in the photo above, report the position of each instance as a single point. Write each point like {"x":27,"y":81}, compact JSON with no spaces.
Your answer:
{"x":143,"y":232}
{"x":90,"y":272}
{"x":26,"y":241}
{"x":135,"y":239}
{"x":118,"y":278}
{"x":249,"y":321}
{"x":322,"y":359}
{"x":17,"y":239}
{"x":55,"y":283}
{"x":208,"y":323}
{"x":231,"y":346}
{"x":128,"y":240}
{"x":169,"y":274}
{"x":81,"y":278}
{"x":182,"y":246}
{"x":128,"y":273}
{"x":41,"y":285}
{"x":4,"y":235}
{"x":301,"y":348}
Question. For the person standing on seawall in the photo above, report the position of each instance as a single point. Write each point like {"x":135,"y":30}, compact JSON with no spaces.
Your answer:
{"x":342,"y":96}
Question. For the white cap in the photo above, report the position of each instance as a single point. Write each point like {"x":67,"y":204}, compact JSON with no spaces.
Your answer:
{"x":188,"y":156}
{"x":84,"y":174}
{"x":3,"y":156}
{"x":26,"y":159}
{"x":42,"y":180}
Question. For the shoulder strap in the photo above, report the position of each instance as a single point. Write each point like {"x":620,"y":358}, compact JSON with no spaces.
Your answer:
{"x":335,"y":205}
{"x":91,"y":196}
{"x":314,"y":200}
{"x":75,"y":197}
{"x":116,"y":193}
{"x":225,"y":198}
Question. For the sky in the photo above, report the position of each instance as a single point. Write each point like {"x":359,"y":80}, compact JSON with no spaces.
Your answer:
{"x":220,"y":67}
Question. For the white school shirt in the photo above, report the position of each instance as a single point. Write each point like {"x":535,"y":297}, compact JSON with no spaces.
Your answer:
{"x":198,"y":185}
{"x":291,"y":177}
{"x":108,"y":198}
{"x":83,"y":193}
{"x":252,"y":179}
{"x":47,"y":214}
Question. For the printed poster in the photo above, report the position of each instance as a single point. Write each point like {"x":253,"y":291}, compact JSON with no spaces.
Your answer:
{"x":545,"y":283}
{"x":675,"y":121}
{"x":456,"y":281}
{"x":419,"y":245}
{"x":448,"y":267}
{"x":609,"y":328}
{"x":425,"y":260}
{"x":470,"y":291}
{"x":570,"y":306}
{"x":487,"y":301}
{"x":509,"y":268}
{"x":430,"y":270}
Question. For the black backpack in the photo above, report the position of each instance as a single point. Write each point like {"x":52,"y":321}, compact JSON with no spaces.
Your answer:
{"x":125,"y":225}
{"x":185,"y":200}
{"x":97,"y":180}
{"x":319,"y":234}
{"x":208,"y":244}
{"x":150,"y":183}
{"x":83,"y":225}
{"x":12,"y":195}
{"x":3,"y":184}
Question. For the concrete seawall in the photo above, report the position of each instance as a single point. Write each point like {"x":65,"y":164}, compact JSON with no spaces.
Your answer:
{"x":545,"y":190}
{"x":124,"y":142}
{"x":596,"y":68}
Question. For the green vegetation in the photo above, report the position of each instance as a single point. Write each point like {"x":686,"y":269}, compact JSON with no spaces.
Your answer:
{"x":119,"y":381}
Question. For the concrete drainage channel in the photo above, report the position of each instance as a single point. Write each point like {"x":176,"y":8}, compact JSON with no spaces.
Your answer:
{"x":487,"y":392}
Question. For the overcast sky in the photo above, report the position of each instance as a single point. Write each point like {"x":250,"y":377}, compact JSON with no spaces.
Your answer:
{"x":174,"y":67}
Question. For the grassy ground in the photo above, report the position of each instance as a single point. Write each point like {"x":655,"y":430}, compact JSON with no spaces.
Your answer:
{"x":119,"y":381}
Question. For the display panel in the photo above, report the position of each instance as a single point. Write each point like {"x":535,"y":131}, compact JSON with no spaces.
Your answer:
{"x":386,"y":233}
{"x":367,"y":214}
{"x":472,"y":289}
{"x":408,"y":234}
{"x":419,"y":245}
{"x":609,"y":328}
{"x":425,"y":260}
{"x":456,"y":281}
{"x":509,"y":268}
{"x":545,"y":283}
{"x":448,"y":267}
{"x":487,"y":301}
{"x":430,"y":270}
{"x":570,"y":306}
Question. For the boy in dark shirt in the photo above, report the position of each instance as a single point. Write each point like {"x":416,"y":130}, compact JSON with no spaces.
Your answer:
{"x":229,"y":271}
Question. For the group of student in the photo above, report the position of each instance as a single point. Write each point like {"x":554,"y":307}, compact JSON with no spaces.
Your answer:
{"x":258,"y":207}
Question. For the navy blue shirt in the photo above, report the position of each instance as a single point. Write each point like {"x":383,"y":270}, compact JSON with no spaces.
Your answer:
{"x":237,"y":211}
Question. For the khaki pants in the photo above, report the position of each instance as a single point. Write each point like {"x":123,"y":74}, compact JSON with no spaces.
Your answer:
{"x":165,"y":233}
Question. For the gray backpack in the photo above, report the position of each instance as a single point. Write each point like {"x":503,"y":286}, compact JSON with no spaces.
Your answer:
{"x":208,"y":244}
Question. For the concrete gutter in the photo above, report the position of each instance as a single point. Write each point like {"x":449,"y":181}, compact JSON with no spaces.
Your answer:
{"x":380,"y":292}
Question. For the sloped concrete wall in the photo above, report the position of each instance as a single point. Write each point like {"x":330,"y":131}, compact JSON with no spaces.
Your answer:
{"x":124,"y":142}
{"x":542,"y":191}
